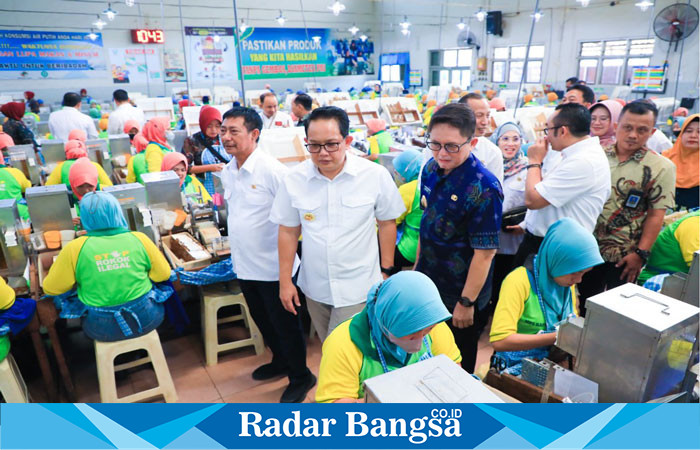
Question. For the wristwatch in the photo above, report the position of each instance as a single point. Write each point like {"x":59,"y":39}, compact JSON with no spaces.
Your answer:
{"x":466,"y":301}
{"x":644,"y":254}
{"x":390,"y":270}
{"x":533,"y":165}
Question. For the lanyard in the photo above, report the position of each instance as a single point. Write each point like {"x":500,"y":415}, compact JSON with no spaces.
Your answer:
{"x":550,"y":327}
{"x":427,"y":355}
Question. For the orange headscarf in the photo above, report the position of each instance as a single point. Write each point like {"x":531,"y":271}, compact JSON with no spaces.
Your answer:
{"x":687,"y":161}
{"x":75,"y":149}
{"x":140,"y":143}
{"x":172,"y":159}
{"x":154,"y":131}
{"x":77,"y":135}
{"x":83,"y":171}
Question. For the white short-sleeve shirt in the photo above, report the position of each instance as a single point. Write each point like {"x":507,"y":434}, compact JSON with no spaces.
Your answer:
{"x":124,"y":113}
{"x":250,"y":191}
{"x":340,"y":252}
{"x":576,"y":187}
{"x":65,"y":120}
{"x":280,"y":120}
{"x":659,"y":142}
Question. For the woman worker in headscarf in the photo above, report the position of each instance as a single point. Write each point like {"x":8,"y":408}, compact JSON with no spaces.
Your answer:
{"x":402,"y":323}
{"x":13,"y":183}
{"x":75,"y":149}
{"x":685,"y":155}
{"x":32,"y":104}
{"x":604,"y":118}
{"x":408,"y":165}
{"x":137,"y":163}
{"x":132,"y":128}
{"x":114,"y":270}
{"x":189,"y":184}
{"x":535,"y":297}
{"x":205,"y":153}
{"x":156,"y":132}
{"x":380,"y":140}
{"x":14,"y":126}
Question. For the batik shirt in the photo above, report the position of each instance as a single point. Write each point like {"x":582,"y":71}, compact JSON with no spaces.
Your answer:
{"x":462,"y":212}
{"x":644,"y":181}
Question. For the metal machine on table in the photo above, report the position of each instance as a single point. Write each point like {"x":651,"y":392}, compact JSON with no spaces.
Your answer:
{"x":49,"y":208}
{"x":638,"y":345}
{"x":685,"y":286}
{"x":54,"y":152}
{"x":13,"y":251}
{"x":132,"y":198}
{"x":98,"y":151}
{"x":23,"y":158}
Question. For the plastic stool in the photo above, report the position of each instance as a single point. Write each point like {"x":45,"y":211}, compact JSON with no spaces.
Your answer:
{"x":106,"y":352}
{"x":212,"y":301}
{"x":12,"y":385}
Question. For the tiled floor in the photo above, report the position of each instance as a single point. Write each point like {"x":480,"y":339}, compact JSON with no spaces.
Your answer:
{"x":229,"y":381}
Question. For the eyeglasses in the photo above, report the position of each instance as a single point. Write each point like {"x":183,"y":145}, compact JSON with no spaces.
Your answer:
{"x":329,"y":146}
{"x":449,"y":148}
{"x":546,"y":130}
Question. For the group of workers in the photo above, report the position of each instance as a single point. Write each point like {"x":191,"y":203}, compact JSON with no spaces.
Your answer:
{"x":486,"y":225}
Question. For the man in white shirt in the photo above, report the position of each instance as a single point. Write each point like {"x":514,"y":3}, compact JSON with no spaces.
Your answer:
{"x":251,"y":180}
{"x":336,"y":201}
{"x":125,"y":111}
{"x":485,"y":150}
{"x":576,"y":187}
{"x":69,"y":118}
{"x":271,"y":116}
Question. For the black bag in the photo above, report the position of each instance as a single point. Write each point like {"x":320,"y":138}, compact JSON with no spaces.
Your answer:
{"x":513,"y":217}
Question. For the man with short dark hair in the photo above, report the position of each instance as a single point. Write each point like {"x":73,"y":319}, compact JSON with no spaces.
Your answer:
{"x":581,"y":94}
{"x":123,"y":112}
{"x":301,"y":107}
{"x":643,"y":186}
{"x":462,"y":203}
{"x":343,"y":205}
{"x":251,"y":181}
{"x":271,"y":116}
{"x":69,"y":118}
{"x":576,"y":187}
{"x":571,"y":81}
{"x":485,"y":151}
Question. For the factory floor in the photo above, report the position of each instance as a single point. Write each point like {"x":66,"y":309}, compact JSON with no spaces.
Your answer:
{"x":229,"y":381}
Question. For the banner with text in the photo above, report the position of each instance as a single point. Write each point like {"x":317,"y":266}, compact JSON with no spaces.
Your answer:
{"x":211,"y":57}
{"x":347,"y":426}
{"x":50,"y":54}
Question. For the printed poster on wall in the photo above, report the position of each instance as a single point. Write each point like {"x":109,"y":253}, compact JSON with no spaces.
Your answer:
{"x":301,"y":52}
{"x":174,"y":65}
{"x":135,"y":65}
{"x":36,"y":55}
{"x":211,"y":55}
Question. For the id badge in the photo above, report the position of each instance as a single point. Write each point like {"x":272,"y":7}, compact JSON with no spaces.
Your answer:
{"x":633,"y":198}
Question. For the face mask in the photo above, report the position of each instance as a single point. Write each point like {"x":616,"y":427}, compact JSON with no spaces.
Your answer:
{"x":409,"y":346}
{"x":676,"y":133}
{"x":131,"y":136}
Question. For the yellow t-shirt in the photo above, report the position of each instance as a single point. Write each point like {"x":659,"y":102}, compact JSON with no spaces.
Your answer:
{"x":154,"y":157}
{"x":688,"y":238}
{"x":515,"y":290}
{"x":18,"y":175}
{"x":339,"y":375}
{"x":407,"y":192}
{"x":55,"y":177}
{"x":7,"y":295}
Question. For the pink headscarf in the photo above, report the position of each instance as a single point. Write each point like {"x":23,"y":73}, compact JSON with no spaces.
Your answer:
{"x":498,"y":104}
{"x":614,"y":108}
{"x":6,"y":140}
{"x":172,"y":159}
{"x":79,"y":135}
{"x":680,"y":112}
{"x":374,"y":126}
{"x":75,"y":149}
{"x":83,"y":171}
{"x":129,"y":124}
{"x":154,"y":131}
{"x":140,"y":143}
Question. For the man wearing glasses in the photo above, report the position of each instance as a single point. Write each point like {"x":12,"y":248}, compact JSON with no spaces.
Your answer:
{"x":462,"y":202}
{"x":577,"y":185}
{"x":336,"y":200}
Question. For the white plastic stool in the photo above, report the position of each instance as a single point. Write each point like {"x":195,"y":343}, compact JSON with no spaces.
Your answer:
{"x":212,"y":301}
{"x":106,"y":352}
{"x":12,"y":385}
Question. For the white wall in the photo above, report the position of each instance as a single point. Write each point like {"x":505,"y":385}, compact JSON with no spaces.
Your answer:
{"x":62,"y":15}
{"x":561,"y":29}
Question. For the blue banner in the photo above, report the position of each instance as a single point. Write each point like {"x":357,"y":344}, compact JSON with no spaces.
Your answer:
{"x":387,"y":426}
{"x":50,"y":54}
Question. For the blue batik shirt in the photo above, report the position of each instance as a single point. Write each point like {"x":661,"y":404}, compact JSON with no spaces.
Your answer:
{"x":462,"y":212}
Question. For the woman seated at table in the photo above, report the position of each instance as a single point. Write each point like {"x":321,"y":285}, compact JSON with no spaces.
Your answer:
{"x":114,"y":270}
{"x":156,"y":131}
{"x":402,"y":323}
{"x":12,"y":181}
{"x":537,"y":296}
{"x":16,"y":312}
{"x":408,"y":165}
{"x":136,"y":166}
{"x":75,"y":149}
{"x":189,"y":184}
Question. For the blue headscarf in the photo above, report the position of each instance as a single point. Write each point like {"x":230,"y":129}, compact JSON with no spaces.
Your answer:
{"x":408,"y":164}
{"x":503,"y":129}
{"x":101,"y":211}
{"x":518,"y":162}
{"x":567,"y":248}
{"x":403,"y":304}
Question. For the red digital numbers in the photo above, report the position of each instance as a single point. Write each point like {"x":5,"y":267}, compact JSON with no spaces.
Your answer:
{"x":142,"y":36}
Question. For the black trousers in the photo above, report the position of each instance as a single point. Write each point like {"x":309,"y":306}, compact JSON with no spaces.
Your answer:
{"x":281,"y":329}
{"x":503,"y":265}
{"x":529,"y":246}
{"x":400,"y":261}
{"x":467,"y":339}
{"x":600,"y":278}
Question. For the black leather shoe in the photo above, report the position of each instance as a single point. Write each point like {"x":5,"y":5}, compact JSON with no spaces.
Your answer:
{"x":269,"y":371}
{"x":297,"y":390}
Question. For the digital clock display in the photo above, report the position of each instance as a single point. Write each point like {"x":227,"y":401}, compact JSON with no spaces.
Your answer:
{"x":147,"y":36}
